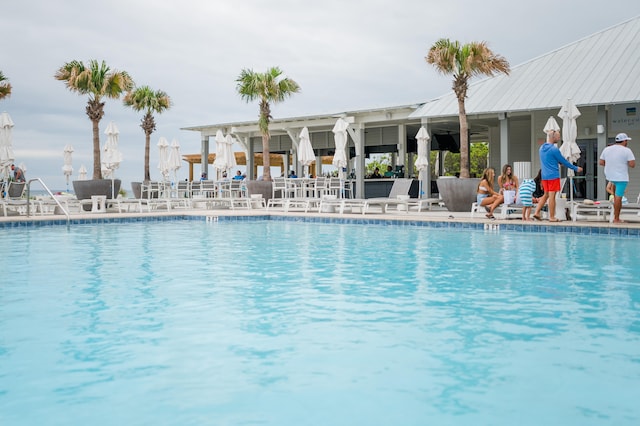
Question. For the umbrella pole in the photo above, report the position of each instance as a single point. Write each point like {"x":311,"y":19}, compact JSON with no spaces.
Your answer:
{"x":571,"y":188}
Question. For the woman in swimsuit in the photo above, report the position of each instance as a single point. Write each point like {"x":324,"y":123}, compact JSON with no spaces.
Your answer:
{"x":486,"y":196}
{"x":507,"y":181}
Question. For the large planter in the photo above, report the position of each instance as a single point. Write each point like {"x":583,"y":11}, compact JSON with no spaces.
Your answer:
{"x":458,"y":193}
{"x":136,"y":188}
{"x":260,"y":187}
{"x":85,"y":189}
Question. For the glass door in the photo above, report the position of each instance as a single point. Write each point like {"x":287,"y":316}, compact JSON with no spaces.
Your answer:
{"x":585,"y":183}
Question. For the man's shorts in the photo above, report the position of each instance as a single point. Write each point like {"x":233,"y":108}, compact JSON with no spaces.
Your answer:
{"x":620,"y":188}
{"x":551,"y":185}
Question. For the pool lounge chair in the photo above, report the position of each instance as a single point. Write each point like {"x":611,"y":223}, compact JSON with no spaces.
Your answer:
{"x":626,"y":208}
{"x":398,"y":198}
{"x":589,"y":209}
{"x":14,"y":200}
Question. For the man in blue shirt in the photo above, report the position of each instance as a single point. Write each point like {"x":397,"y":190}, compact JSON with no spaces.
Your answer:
{"x":550,"y":158}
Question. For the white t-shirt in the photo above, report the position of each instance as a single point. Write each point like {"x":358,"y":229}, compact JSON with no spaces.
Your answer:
{"x":616,"y":162}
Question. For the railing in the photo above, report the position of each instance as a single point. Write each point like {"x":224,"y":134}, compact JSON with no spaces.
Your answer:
{"x":66,"y":213}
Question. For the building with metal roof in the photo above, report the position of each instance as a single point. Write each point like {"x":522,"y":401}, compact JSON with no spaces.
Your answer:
{"x":600,"y":73}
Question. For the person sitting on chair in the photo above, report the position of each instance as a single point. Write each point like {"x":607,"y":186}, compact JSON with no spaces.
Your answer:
{"x":18,"y":174}
{"x":486,"y":195}
{"x":508,"y":183}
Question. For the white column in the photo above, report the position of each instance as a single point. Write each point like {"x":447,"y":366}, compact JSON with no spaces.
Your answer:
{"x":504,"y":141}
{"x":204,"y":156}
{"x":402,"y":147}
{"x":357,"y":134}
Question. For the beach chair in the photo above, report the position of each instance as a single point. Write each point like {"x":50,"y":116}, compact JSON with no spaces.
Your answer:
{"x":14,"y":199}
{"x":398,"y":197}
{"x":626,"y":208}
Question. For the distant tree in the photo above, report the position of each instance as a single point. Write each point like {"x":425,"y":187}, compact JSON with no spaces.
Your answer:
{"x":479,"y":158}
{"x":5,"y":87}
{"x":464,"y":62}
{"x":479,"y":154}
{"x":150,"y":101}
{"x":380,"y":162}
{"x":268,"y":88}
{"x":98,"y":81}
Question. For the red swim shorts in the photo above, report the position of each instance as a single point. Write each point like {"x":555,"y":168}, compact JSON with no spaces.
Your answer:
{"x":551,"y":185}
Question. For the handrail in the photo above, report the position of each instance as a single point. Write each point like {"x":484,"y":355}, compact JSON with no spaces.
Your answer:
{"x":66,"y":213}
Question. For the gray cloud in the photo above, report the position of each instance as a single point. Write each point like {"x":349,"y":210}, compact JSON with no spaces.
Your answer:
{"x":345,"y":55}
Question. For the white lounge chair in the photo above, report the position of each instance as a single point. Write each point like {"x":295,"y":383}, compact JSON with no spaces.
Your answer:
{"x":627,"y":208}
{"x":398,"y":197}
{"x":14,"y":200}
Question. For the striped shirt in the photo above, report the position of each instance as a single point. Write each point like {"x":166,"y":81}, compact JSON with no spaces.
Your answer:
{"x":526,"y":192}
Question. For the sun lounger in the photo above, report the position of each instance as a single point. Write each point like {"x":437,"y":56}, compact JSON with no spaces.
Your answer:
{"x":633,"y":208}
{"x":287,"y":204}
{"x":329,"y":203}
{"x":583,"y":210}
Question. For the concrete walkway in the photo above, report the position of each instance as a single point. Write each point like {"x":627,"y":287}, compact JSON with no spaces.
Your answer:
{"x":436,"y":215}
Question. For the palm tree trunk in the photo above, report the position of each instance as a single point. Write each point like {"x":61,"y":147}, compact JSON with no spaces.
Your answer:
{"x":266,"y":159}
{"x":147,"y":146}
{"x":464,"y":140}
{"x":97,"y":164}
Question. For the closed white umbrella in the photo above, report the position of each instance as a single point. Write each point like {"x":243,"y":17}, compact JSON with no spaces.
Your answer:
{"x":82,"y":173}
{"x":225,"y":158}
{"x":220,"y":163}
{"x":550,"y":125}
{"x":6,"y":145}
{"x":569,"y":149}
{"x":422,"y":162}
{"x":231,"y":157}
{"x":175,"y":160}
{"x":67,"y":168}
{"x":111,"y":156}
{"x":340,"y":156}
{"x":306,"y":156}
{"x":163,"y":155}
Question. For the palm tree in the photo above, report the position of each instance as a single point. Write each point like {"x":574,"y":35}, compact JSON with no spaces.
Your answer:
{"x":146,"y":99}
{"x":268,"y":88}
{"x":464,"y":62}
{"x":98,"y":81}
{"x":5,"y":87}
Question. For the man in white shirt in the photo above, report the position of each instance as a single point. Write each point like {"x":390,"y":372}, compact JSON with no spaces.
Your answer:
{"x":617,"y":159}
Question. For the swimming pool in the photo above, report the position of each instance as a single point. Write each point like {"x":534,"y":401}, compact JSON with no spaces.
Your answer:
{"x":286,"y":323}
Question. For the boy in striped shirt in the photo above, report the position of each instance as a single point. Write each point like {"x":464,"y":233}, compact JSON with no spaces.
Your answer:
{"x":526,"y":197}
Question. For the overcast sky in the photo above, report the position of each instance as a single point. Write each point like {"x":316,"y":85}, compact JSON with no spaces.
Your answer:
{"x":346,"y":55}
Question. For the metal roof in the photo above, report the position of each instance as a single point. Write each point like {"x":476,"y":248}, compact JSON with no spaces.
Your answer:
{"x":601,"y":69}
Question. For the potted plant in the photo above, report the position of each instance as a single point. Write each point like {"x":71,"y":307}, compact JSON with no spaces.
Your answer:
{"x":97,"y":81}
{"x":148,"y":100}
{"x":463,"y":62}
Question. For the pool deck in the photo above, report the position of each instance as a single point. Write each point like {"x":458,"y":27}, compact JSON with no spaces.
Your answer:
{"x":437,"y":217}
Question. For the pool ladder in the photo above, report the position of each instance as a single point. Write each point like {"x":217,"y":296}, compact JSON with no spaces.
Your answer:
{"x":46,"y":188}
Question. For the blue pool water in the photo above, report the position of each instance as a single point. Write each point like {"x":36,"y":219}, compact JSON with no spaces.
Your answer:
{"x":286,"y":323}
